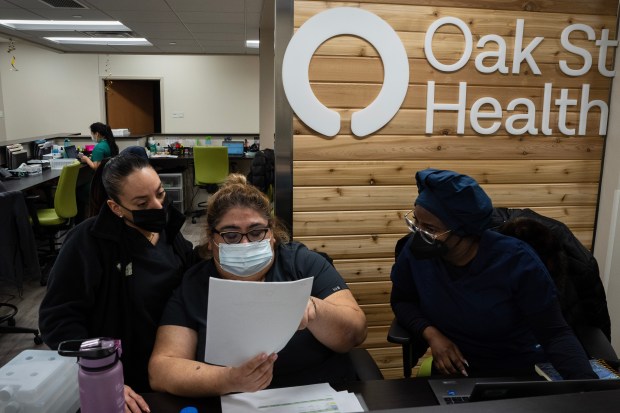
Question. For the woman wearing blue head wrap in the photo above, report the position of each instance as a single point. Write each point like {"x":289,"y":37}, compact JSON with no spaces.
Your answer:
{"x":483,"y":301}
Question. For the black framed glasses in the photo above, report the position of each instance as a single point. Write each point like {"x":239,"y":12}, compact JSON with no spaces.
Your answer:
{"x":235,"y":237}
{"x":428,"y":237}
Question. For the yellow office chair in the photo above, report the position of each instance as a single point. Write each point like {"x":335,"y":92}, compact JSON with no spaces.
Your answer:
{"x":210,"y":169}
{"x":49,"y":221}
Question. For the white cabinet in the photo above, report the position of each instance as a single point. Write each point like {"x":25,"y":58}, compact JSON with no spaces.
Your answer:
{"x":173,"y":185}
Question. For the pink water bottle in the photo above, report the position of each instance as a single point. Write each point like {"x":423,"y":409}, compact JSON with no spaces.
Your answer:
{"x":100,"y":377}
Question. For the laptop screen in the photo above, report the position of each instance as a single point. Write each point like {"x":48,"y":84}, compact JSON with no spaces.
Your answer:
{"x":235,"y":148}
{"x":453,"y":391}
{"x":71,"y":152}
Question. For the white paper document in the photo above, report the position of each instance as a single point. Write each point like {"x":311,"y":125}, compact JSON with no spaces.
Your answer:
{"x":246,"y":318}
{"x":301,"y":399}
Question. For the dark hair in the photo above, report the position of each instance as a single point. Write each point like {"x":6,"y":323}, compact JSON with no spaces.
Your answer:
{"x":135,"y":150}
{"x":117,"y":169}
{"x":236,"y":192}
{"x":105,"y":131}
{"x":98,"y":195}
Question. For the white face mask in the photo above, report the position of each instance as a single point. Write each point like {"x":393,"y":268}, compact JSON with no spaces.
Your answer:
{"x":245,"y":259}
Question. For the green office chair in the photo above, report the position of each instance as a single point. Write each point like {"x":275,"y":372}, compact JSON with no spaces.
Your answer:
{"x":210,"y":170}
{"x":48,"y":222}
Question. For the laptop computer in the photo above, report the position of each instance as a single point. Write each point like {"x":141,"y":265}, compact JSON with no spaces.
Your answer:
{"x":235,"y":148}
{"x":71,"y":152}
{"x":464,"y":390}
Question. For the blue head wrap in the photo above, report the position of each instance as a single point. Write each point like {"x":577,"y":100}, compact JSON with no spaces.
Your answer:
{"x":457,"y":200}
{"x":135,"y":150}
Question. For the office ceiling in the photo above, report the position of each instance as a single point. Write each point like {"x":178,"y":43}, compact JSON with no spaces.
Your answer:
{"x":172,"y":26}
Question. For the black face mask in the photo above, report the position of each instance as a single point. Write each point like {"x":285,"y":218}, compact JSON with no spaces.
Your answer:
{"x":153,"y":220}
{"x":422,"y":250}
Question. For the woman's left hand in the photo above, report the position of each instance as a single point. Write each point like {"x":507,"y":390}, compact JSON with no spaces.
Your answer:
{"x":134,"y":403}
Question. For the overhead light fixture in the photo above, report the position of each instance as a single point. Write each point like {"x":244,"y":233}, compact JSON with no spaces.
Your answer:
{"x":104,"y":41}
{"x":252,"y":44}
{"x":65,"y":25}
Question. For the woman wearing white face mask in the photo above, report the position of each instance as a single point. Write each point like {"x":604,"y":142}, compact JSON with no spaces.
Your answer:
{"x":244,"y":242}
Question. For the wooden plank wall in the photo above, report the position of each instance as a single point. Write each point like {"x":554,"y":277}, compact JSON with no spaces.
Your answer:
{"x":350,"y":194}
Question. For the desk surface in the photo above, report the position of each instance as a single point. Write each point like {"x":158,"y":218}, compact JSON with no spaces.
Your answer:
{"x":415,"y":395}
{"x":28,"y":182}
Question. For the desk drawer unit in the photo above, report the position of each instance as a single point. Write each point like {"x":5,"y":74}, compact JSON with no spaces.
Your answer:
{"x":173,"y":184}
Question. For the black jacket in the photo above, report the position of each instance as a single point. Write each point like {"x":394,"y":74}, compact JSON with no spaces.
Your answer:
{"x":18,"y":249}
{"x":580,"y":289}
{"x":89,"y":295}
{"x":262,"y":170}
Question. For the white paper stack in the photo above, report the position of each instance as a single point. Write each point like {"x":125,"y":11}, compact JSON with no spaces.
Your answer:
{"x":301,"y":399}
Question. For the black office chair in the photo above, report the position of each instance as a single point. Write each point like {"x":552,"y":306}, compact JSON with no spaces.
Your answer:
{"x":588,"y":315}
{"x":7,"y":315}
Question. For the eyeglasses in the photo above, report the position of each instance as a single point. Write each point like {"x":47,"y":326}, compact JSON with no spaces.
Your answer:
{"x":235,"y":237}
{"x":428,"y":237}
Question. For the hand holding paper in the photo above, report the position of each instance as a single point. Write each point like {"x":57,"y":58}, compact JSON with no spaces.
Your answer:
{"x":246,"y":318}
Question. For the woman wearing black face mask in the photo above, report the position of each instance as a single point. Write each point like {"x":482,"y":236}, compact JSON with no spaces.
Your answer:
{"x":482,"y":301}
{"x":116,"y":271}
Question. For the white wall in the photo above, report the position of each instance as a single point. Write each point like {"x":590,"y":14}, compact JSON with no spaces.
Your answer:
{"x":607,"y":240}
{"x":54,"y":92}
{"x":2,"y":125}
{"x":50,"y":92}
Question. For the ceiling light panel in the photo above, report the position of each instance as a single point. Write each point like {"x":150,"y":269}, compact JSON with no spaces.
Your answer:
{"x":64,"y":25}
{"x":106,"y":41}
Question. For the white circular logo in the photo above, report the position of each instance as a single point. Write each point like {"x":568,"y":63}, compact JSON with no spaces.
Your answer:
{"x":335,"y":22}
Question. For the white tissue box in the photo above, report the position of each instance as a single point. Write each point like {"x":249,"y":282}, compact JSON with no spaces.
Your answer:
{"x":39,"y":381}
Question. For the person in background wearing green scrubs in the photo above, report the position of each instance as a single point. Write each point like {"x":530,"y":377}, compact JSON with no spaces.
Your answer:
{"x":105,"y":148}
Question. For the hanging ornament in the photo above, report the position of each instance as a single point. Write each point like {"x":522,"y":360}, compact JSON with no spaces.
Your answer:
{"x":107,"y":82}
{"x":11,"y":49}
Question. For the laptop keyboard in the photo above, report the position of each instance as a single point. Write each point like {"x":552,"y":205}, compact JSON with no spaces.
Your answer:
{"x":456,"y":399}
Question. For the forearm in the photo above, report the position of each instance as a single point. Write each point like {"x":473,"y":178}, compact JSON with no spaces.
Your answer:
{"x":65,"y":309}
{"x":90,"y":163}
{"x":560,"y":344}
{"x":187,"y":378}
{"x":338,"y":326}
{"x":405,"y":300}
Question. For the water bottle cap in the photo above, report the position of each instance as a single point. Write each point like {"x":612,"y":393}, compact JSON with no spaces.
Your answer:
{"x":94,"y":349}
{"x":189,"y":409}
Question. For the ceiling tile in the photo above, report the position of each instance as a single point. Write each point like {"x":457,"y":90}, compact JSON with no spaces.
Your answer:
{"x":227,"y":6}
{"x":201,"y":17}
{"x":223,"y":23}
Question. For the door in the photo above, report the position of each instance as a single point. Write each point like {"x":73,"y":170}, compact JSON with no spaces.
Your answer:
{"x":133,"y":105}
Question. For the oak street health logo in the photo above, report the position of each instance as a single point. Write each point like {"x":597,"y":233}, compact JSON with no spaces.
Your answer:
{"x":520,"y":112}
{"x":324,"y":26}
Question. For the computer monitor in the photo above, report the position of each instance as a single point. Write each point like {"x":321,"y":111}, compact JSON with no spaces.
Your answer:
{"x":235,"y":148}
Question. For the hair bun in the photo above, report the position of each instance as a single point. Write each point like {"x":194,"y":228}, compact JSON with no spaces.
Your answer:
{"x":236,"y":179}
